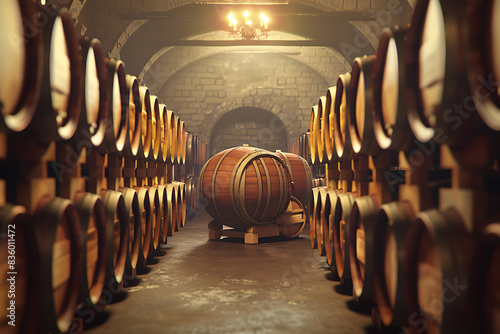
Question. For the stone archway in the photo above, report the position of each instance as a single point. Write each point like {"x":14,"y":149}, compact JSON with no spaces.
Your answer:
{"x":256,"y":127}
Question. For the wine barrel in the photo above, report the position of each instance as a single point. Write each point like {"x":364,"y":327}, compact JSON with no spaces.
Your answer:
{"x":320,"y":212}
{"x":293,"y":220}
{"x":181,"y":204}
{"x":172,"y":210}
{"x":134,"y":219}
{"x":245,"y":186}
{"x":190,"y":149}
{"x":146,"y":228}
{"x":134,"y":120}
{"x":164,"y":135}
{"x":190,"y":193}
{"x":485,"y":278}
{"x":169,"y":129}
{"x":117,"y":229}
{"x":437,"y":52}
{"x":313,"y":141}
{"x":362,"y":246}
{"x":391,"y":236}
{"x":390,"y":119}
{"x":58,"y":111}
{"x":146,"y":125}
{"x":300,"y":174}
{"x":328,"y":125}
{"x":93,"y":232}
{"x":438,"y":257}
{"x":163,"y":200}
{"x":17,"y":242}
{"x":343,"y":147}
{"x":156,"y":209}
{"x":360,"y":106}
{"x":156,"y":130}
{"x":58,"y":234}
{"x":320,"y":137}
{"x":312,"y":217}
{"x":94,"y":113}
{"x":21,"y":63}
{"x":115,"y":136}
{"x":327,"y":223}
{"x":341,"y":234}
{"x":174,"y":148}
{"x":183,"y":140}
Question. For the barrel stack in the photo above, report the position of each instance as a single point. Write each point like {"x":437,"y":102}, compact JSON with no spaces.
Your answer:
{"x":88,"y":157}
{"x":409,"y":140}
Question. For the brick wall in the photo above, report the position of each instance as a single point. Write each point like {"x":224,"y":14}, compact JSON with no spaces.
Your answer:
{"x":202,"y":92}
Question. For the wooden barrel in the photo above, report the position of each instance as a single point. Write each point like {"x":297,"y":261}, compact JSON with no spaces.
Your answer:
{"x":182,"y":143}
{"x":328,"y":125}
{"x":115,"y":136}
{"x":327,"y":223}
{"x":391,"y":236}
{"x":134,"y":119}
{"x":190,"y":149}
{"x":439,"y":94}
{"x":343,"y":147}
{"x":320,"y":137}
{"x":312,"y":216}
{"x":174,"y":148}
{"x":58,"y":111}
{"x":181,"y":204}
{"x":172,"y":196}
{"x":360,"y":107}
{"x":390,"y":118}
{"x":146,"y":228}
{"x":245,"y":186}
{"x":320,"y":212}
{"x":300,"y":174}
{"x":93,"y":232}
{"x":146,"y":115}
{"x":362,"y":246}
{"x":20,"y":64}
{"x":17,"y":242}
{"x":164,"y":135}
{"x":169,"y":129}
{"x":94,"y":113}
{"x":313,"y":141}
{"x":117,"y":229}
{"x":58,"y":234}
{"x":483,"y":59}
{"x":485,"y":278}
{"x":156,"y":130}
{"x":438,"y":255}
{"x":190,"y":193}
{"x":134,"y":219}
{"x":341,"y":233}
{"x":156,"y":209}
{"x":163,"y":199}
{"x":293,"y":220}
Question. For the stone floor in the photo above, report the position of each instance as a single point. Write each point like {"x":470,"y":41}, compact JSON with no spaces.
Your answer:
{"x":202,"y":286}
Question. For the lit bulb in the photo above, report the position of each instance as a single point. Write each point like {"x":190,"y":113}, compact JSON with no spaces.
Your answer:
{"x":43,"y":2}
{"x":249,"y":22}
{"x":266,"y":20}
{"x":261,"y":18}
{"x":246,"y":16}
{"x":231,"y":19}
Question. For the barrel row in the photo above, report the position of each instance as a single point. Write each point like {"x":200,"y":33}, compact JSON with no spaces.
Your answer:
{"x":436,"y":80}
{"x":407,"y":218}
{"x":61,"y":88}
{"x":74,"y":255}
{"x":421,"y":270}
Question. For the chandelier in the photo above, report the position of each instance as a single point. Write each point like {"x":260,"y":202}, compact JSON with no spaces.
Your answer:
{"x":248,"y":30}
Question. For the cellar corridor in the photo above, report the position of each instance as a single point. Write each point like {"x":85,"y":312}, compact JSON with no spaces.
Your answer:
{"x":202,"y":286}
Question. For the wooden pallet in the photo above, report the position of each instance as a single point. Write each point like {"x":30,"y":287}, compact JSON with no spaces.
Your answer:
{"x":251,"y":235}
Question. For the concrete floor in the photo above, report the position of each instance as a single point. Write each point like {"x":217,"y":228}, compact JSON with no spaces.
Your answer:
{"x":202,"y":286}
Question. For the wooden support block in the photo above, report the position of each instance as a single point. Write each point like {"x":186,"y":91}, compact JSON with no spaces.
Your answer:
{"x":251,"y":235}
{"x":29,"y":192}
{"x":214,"y":230}
{"x":251,"y":238}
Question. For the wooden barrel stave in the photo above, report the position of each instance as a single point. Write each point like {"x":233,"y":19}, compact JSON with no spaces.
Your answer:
{"x":328,"y":228}
{"x":328,"y":126}
{"x":146,"y":228}
{"x":314,"y":131}
{"x":20,"y":65}
{"x":343,"y":147}
{"x":361,"y":245}
{"x":172,"y":209}
{"x":94,"y":248}
{"x":293,"y":220}
{"x":320,"y":213}
{"x":320,"y":136}
{"x":341,"y":236}
{"x":58,"y":232}
{"x":391,"y":232}
{"x":134,"y":222}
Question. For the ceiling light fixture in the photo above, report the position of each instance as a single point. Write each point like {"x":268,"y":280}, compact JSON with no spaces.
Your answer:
{"x":247,"y":30}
